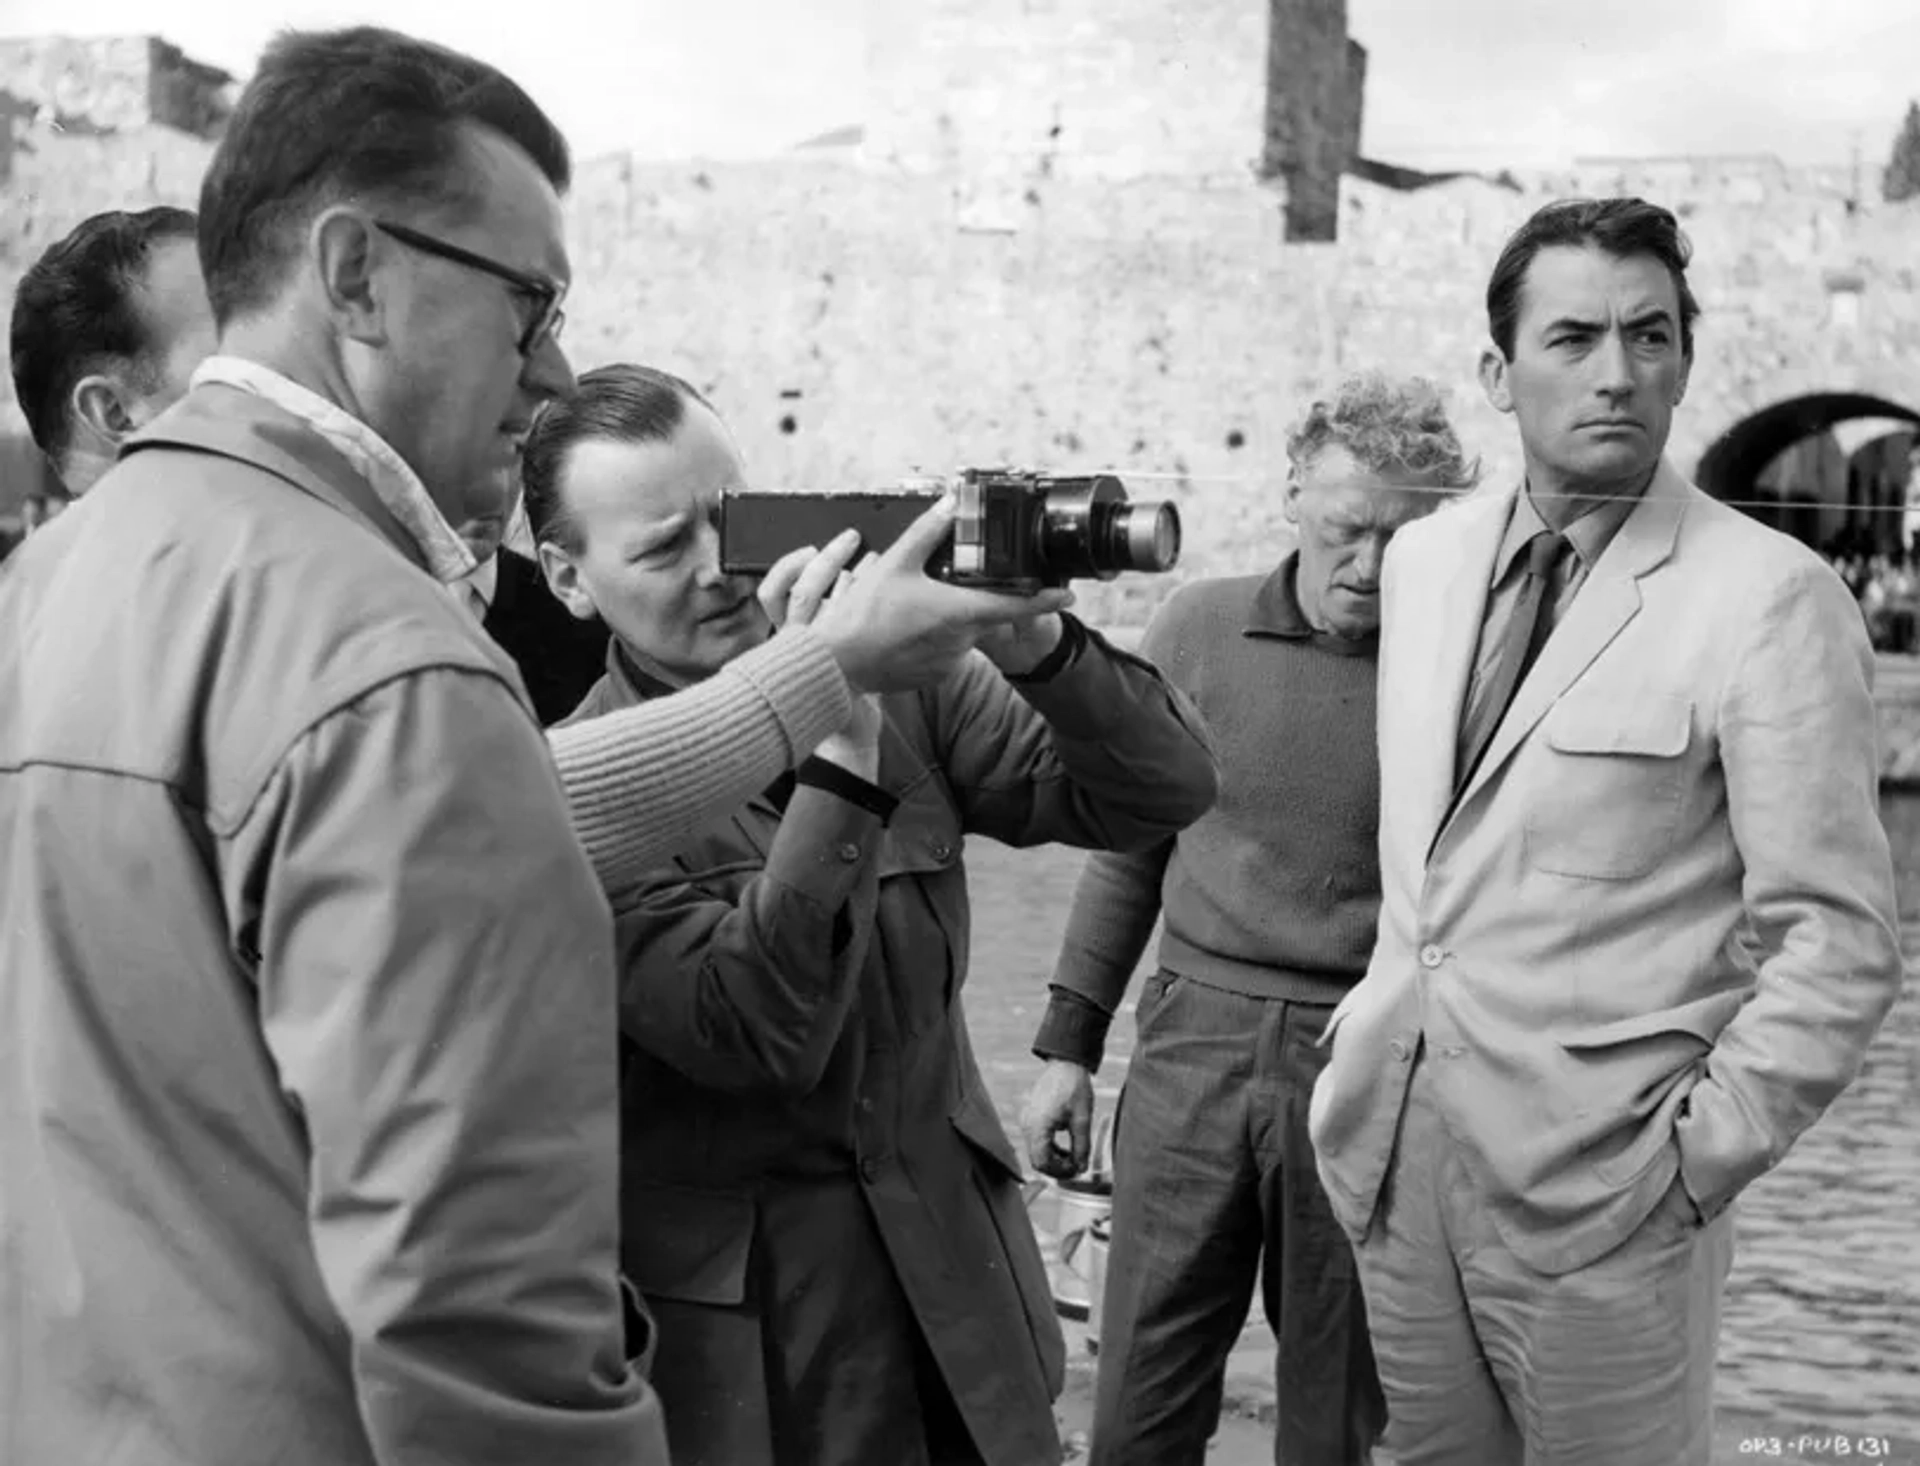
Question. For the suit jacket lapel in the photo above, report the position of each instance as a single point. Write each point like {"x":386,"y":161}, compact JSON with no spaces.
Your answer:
{"x":237,"y":424}
{"x":1440,"y":645}
{"x":1606,"y":603}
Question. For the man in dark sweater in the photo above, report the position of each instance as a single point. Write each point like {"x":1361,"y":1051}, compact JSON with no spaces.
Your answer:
{"x":1269,"y":903}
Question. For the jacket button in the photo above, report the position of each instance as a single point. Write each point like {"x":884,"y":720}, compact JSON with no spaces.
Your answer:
{"x":1398,"y":1048}
{"x":942,"y":850}
{"x":1431,"y":956}
{"x":848,"y":852}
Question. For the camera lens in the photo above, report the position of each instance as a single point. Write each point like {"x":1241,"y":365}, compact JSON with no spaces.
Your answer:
{"x":1146,"y":536}
{"x":1088,"y":527}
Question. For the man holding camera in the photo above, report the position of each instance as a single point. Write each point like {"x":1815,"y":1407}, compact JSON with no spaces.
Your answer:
{"x":821,"y":1206}
{"x":308,"y":1089}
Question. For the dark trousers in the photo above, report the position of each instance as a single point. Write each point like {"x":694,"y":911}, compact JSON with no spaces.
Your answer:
{"x":1215,"y":1184}
{"x":825,"y":1366}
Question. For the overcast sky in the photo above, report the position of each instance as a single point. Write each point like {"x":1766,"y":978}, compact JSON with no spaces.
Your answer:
{"x":1476,"y":83}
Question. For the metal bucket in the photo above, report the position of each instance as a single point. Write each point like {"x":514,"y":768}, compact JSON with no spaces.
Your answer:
{"x":1078,"y":1205}
{"x":1083,"y":1254}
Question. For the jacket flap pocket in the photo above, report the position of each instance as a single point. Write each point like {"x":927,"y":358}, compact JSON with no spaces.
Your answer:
{"x":980,"y":1127}
{"x":687,"y":1245}
{"x":1651,"y":725}
{"x":924,"y":834}
{"x":1701,"y":1018}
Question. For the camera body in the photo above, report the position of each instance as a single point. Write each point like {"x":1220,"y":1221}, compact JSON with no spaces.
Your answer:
{"x":1013,"y":531}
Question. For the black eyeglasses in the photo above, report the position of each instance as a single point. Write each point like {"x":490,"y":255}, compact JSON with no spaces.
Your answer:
{"x":545,"y":294}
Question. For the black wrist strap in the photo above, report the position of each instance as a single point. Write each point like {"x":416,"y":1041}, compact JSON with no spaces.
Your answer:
{"x":819,"y":773}
{"x":1073,"y":639}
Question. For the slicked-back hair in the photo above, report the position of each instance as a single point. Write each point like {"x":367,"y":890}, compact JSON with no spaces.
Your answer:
{"x":1622,"y":227}
{"x":75,"y":312}
{"x":355,"y":113}
{"x":1391,"y":425}
{"x":622,"y":403}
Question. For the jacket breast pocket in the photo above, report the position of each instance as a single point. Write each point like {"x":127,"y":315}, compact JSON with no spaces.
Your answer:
{"x":1605,"y":802}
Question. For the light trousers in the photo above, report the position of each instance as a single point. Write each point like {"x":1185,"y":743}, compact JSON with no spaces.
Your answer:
{"x":1487,"y":1362}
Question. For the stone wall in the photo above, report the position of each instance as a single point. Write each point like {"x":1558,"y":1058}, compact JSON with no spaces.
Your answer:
{"x":857,"y":322}
{"x":1313,"y":106}
{"x":854,"y":327}
{"x":59,"y":178}
{"x":115,"y":84}
{"x":1067,"y":87}
{"x":1009,"y":93}
{"x":968,"y":287}
{"x":102,"y":84}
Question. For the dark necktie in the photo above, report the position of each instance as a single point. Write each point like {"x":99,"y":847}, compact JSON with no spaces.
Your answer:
{"x":1526,"y":632}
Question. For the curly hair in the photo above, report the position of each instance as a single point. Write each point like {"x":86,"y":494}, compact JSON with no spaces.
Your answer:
{"x":1389,"y":424}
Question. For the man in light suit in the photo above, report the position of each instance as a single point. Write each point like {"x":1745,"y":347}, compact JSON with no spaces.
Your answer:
{"x":1637,"y":921}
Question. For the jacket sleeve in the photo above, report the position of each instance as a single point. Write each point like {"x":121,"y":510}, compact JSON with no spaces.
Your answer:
{"x":744,"y":988}
{"x":1798,"y":745}
{"x":642,"y":780}
{"x":1104,"y":755}
{"x":435,"y":984}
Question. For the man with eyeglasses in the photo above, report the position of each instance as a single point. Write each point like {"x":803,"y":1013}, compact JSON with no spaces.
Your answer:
{"x":308,"y":1079}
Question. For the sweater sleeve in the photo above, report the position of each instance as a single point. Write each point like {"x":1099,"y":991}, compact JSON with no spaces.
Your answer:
{"x":1109,"y":924}
{"x":642,"y":780}
{"x":1115,"y":906}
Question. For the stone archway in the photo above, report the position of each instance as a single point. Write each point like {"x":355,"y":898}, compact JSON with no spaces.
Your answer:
{"x":1733,"y":465}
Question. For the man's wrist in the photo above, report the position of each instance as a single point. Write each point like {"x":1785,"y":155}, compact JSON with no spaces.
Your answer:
{"x":1066,"y":651}
{"x":1074,"y":1028}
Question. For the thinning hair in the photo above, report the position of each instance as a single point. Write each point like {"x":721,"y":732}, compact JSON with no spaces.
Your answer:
{"x":1622,"y":227}
{"x":622,"y":403}
{"x":1390,"y":425}
{"x":356,"y":113}
{"x":75,"y":312}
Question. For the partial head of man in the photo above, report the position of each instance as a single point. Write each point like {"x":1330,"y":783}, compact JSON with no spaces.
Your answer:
{"x":622,"y":482}
{"x":1592,"y":326}
{"x":382,"y":223}
{"x":107,"y":328}
{"x":1362,"y":462}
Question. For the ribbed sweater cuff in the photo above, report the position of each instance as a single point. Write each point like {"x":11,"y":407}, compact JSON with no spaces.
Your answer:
{"x":642,"y":780}
{"x":1074,"y":1028}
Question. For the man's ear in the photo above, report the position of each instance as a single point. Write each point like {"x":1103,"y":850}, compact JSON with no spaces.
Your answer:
{"x":563,"y":579}
{"x":1494,"y":382}
{"x":1290,"y":499}
{"x":1493,"y":378}
{"x":1686,"y":375}
{"x":100,"y":412}
{"x":347,"y":254}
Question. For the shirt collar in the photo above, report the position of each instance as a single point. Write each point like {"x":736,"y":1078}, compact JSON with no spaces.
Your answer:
{"x":1589,"y":535}
{"x":1276,"y":605}
{"x":485,"y":578}
{"x":394,"y":483}
{"x":1276,"y":612}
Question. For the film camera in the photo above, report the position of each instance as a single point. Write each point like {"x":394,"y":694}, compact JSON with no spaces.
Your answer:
{"x":1012,"y":531}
